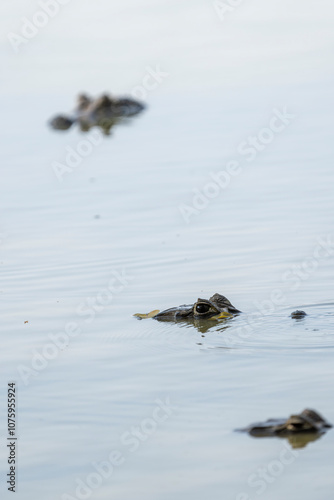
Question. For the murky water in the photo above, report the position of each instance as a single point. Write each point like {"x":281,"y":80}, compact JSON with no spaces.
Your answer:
{"x":175,"y":206}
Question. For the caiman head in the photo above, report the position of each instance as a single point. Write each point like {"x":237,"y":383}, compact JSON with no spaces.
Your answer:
{"x":299,"y":429}
{"x":216,"y":307}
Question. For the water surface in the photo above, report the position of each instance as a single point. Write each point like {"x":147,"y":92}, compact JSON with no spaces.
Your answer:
{"x":110,"y":240}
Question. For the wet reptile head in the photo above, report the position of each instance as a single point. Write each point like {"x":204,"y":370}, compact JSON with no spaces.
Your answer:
{"x":104,"y":102}
{"x":299,"y":429}
{"x":215,"y":306}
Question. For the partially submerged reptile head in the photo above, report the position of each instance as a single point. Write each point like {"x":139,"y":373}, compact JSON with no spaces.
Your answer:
{"x":299,"y":429}
{"x":103,"y":112}
{"x":217,"y":307}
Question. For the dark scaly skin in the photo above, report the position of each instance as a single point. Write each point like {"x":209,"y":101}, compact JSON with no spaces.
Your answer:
{"x":298,"y":429}
{"x":202,"y":313}
{"x":104,"y":112}
{"x":201,"y":309}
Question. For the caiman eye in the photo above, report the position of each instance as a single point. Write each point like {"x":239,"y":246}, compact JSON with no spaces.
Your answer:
{"x":202,"y":308}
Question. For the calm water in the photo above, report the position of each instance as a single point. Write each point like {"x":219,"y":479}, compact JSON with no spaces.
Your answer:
{"x":128,"y":230}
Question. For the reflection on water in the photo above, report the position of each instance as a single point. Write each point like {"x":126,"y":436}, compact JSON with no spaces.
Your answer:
{"x":299,"y":429}
{"x":202,"y":325}
{"x":253,"y":236}
{"x":274,"y":333}
{"x":203,"y":314}
{"x":297,"y":440}
{"x":303,"y":439}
